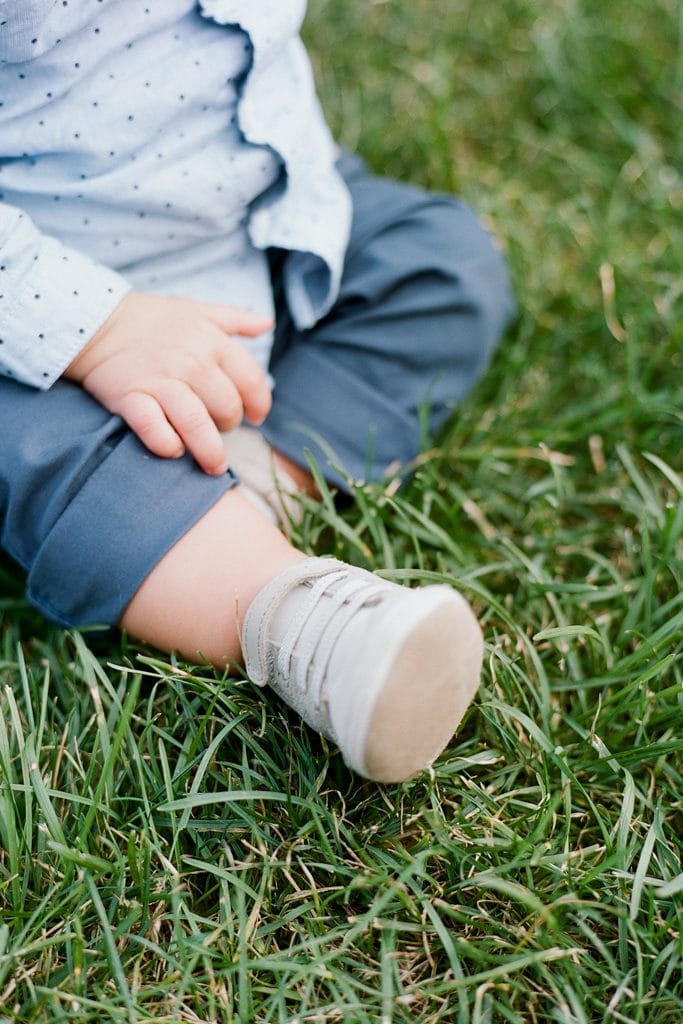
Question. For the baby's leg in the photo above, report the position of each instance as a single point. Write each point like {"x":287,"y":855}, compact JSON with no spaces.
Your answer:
{"x":194,"y":601}
{"x":385,"y":672}
{"x":109,"y":534}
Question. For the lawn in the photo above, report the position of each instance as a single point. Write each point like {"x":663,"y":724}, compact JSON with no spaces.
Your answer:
{"x":173,"y":847}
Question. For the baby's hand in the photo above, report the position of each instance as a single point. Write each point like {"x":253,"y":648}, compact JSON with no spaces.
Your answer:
{"x":172,"y":370}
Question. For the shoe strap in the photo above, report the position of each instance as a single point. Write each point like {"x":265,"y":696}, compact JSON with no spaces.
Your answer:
{"x":304,"y":654}
{"x":366,"y":592}
{"x":304,"y":613}
{"x":262,"y":610}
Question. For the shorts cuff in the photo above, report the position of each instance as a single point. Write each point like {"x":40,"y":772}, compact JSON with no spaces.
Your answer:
{"x":127,"y":515}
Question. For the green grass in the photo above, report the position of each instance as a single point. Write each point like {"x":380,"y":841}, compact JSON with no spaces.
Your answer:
{"x":175,"y":848}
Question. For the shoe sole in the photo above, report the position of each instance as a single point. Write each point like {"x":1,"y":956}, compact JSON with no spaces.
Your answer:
{"x":427,"y":686}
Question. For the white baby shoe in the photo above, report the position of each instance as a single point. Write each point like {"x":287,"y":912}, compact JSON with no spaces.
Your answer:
{"x":263,"y":482}
{"x":384,"y":671}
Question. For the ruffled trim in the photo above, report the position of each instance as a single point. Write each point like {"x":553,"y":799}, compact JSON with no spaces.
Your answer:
{"x":311,"y":216}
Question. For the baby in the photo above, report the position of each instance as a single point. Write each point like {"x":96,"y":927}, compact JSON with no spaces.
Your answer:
{"x":196,"y":288}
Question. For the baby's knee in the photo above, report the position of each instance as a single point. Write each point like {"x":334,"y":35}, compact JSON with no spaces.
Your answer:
{"x":475,"y":269}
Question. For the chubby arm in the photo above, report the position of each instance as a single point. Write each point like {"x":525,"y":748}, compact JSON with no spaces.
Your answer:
{"x":170,"y":367}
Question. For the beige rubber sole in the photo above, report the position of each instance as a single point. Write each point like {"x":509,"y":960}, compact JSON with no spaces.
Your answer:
{"x":429,"y":685}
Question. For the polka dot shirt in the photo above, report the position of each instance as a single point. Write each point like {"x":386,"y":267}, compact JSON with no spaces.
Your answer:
{"x":161,"y":145}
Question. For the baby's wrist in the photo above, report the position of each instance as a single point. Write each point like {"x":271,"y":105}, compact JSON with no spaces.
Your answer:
{"x":89,"y":356}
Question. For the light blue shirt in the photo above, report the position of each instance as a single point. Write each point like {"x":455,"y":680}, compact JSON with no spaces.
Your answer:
{"x":161,"y":145}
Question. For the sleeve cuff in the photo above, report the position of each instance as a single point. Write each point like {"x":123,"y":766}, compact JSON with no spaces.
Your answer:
{"x":52,"y":300}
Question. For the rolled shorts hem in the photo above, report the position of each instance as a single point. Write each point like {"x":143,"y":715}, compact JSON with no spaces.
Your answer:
{"x":111,"y":564}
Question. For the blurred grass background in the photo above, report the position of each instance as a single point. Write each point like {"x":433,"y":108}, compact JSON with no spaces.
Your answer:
{"x":174,"y":848}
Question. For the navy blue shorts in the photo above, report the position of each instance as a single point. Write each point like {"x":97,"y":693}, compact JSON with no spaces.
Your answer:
{"x":88,"y":512}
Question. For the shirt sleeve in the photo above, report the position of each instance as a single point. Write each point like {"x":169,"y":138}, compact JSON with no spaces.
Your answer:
{"x":52,"y":300}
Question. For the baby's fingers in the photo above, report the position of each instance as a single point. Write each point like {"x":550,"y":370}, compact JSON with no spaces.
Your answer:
{"x":192,"y":422}
{"x":145,"y":417}
{"x":249,"y":380}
